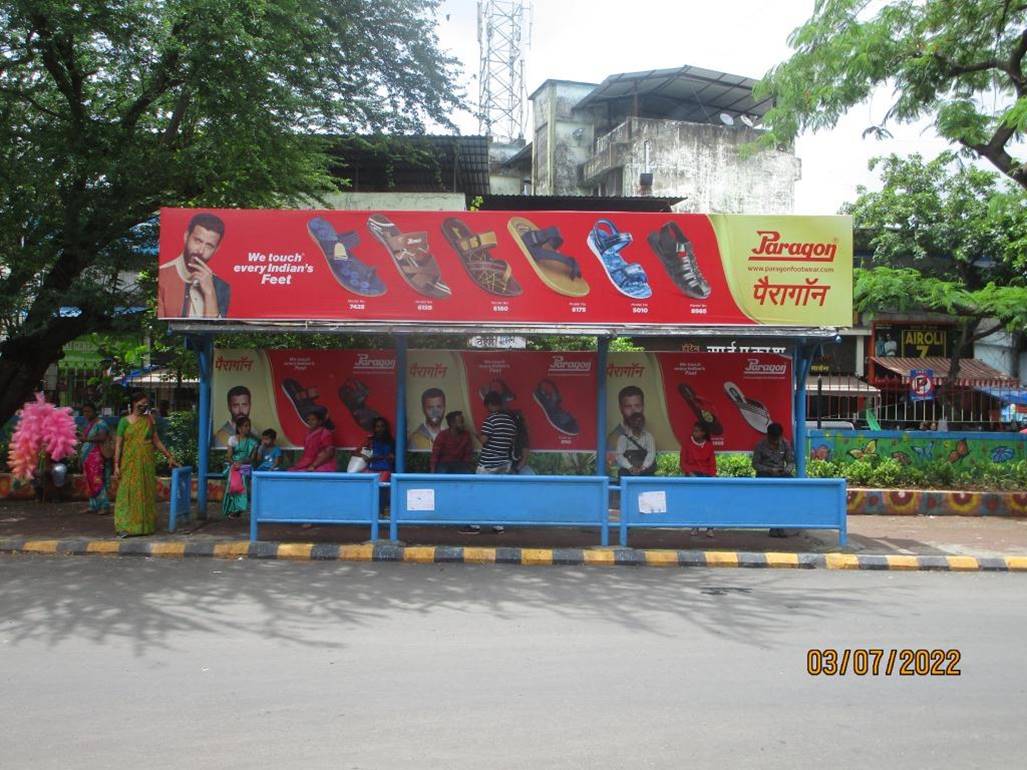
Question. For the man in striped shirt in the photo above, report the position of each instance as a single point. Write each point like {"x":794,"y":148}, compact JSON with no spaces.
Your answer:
{"x":497,"y":437}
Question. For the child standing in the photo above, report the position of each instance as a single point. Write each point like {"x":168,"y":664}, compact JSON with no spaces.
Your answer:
{"x":697,"y":459}
{"x":241,"y":449}
{"x":269,"y":456}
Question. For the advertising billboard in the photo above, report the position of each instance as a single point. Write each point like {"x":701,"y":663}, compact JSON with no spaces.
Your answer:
{"x":493,"y":269}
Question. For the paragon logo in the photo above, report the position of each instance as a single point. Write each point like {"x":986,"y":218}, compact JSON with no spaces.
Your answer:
{"x":369,"y":363}
{"x":560,"y":365}
{"x":773,"y":249}
{"x":757,"y":368}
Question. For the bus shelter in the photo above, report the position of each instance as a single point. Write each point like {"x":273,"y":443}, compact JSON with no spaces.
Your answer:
{"x":509,"y":273}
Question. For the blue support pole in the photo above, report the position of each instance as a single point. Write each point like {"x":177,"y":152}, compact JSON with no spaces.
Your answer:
{"x":401,"y":428}
{"x":603,"y":348}
{"x":802,"y":360}
{"x":205,"y":356}
{"x":401,"y":402}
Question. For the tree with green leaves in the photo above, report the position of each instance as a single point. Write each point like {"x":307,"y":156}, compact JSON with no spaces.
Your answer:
{"x":110,"y":109}
{"x":958,"y":62}
{"x":946,"y":238}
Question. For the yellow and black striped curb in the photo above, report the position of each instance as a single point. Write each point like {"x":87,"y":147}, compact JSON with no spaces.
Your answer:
{"x":443,"y":554}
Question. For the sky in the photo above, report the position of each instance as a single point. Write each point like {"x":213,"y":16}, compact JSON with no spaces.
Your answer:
{"x":588,"y":40}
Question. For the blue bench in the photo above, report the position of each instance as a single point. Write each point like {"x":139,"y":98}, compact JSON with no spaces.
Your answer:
{"x":722,"y":503}
{"x":284,"y":497}
{"x":535,"y":501}
{"x":181,"y":496}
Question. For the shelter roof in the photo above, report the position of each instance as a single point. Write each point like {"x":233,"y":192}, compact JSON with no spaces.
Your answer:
{"x":685,"y":93}
{"x":969,"y":368}
{"x":577,"y":203}
{"x":1007,"y":395}
{"x":556,"y":81}
{"x":841,"y":385}
{"x":389,"y":327}
{"x":520,"y":159}
{"x":413,"y":163}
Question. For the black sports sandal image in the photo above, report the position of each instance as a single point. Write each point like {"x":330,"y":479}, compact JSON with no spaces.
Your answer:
{"x":547,"y":396}
{"x":303,"y":401}
{"x":702,"y":409}
{"x":353,"y":393}
{"x":678,"y":258}
{"x":500,"y":387}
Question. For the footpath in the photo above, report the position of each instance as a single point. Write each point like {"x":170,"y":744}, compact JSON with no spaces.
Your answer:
{"x":948,"y":543}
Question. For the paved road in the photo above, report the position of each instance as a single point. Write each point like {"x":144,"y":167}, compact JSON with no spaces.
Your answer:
{"x":203,"y":663}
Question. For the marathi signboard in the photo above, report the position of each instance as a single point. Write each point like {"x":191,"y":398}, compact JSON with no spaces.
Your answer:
{"x":572,"y":269}
{"x":737,"y":395}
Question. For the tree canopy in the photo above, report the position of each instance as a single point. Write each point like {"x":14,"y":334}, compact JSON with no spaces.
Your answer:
{"x":110,"y":109}
{"x":958,"y":62}
{"x":946,"y":238}
{"x":952,"y":221}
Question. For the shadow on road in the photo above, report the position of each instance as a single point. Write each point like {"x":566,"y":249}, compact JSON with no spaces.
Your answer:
{"x":312,"y":604}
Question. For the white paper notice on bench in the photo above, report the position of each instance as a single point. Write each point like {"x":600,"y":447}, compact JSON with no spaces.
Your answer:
{"x":652,"y":502}
{"x":420,"y":499}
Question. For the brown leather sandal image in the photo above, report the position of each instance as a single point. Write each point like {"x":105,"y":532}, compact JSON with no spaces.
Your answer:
{"x":412,"y":256}
{"x":474,"y":249}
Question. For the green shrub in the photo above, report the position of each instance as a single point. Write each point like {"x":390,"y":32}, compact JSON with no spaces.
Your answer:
{"x":912,"y":477}
{"x":416,"y":462}
{"x":668,"y":464}
{"x":735,"y":465}
{"x":180,"y":439}
{"x":859,"y":473}
{"x":940,"y":474}
{"x":887,"y":474}
{"x":823,"y":469}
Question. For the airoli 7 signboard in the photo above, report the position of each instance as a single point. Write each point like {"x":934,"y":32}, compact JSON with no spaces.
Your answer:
{"x":495,"y":269}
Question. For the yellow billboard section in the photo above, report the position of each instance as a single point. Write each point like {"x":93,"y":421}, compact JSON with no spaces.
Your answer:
{"x":788,"y":271}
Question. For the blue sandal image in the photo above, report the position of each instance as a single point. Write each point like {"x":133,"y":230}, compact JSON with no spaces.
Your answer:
{"x":607,"y":242}
{"x":352,"y":274}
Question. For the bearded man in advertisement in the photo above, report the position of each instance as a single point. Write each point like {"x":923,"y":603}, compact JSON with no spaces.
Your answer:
{"x":240,"y":402}
{"x":188,"y":287}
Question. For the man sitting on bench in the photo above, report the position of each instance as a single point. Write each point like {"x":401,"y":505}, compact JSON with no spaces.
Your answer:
{"x":774,"y":458}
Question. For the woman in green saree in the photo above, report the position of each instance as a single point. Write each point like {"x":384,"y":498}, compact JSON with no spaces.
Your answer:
{"x":135,"y":505}
{"x":242,"y":448}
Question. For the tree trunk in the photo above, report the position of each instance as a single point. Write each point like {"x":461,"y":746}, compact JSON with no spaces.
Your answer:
{"x":24,"y":358}
{"x":965,"y":338}
{"x":19,"y":379}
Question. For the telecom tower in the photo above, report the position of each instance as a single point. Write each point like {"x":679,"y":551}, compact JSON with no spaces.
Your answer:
{"x":504,"y":34}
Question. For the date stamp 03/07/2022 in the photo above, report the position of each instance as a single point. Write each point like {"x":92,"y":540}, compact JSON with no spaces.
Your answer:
{"x":875,"y":661}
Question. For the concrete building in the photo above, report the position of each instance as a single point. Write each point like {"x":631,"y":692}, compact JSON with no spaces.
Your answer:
{"x":671,"y":133}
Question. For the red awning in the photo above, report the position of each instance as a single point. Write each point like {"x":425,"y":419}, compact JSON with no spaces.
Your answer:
{"x":969,"y":368}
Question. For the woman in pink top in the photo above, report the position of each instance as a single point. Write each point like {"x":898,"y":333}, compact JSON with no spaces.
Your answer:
{"x":318,"y":449}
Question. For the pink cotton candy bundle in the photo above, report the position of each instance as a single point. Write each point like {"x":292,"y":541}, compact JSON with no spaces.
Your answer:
{"x":42,"y":427}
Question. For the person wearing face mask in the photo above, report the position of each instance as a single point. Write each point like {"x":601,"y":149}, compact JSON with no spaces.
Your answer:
{"x":187,"y":286}
{"x":135,"y":507}
{"x":635,"y":448}
{"x":433,"y":405}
